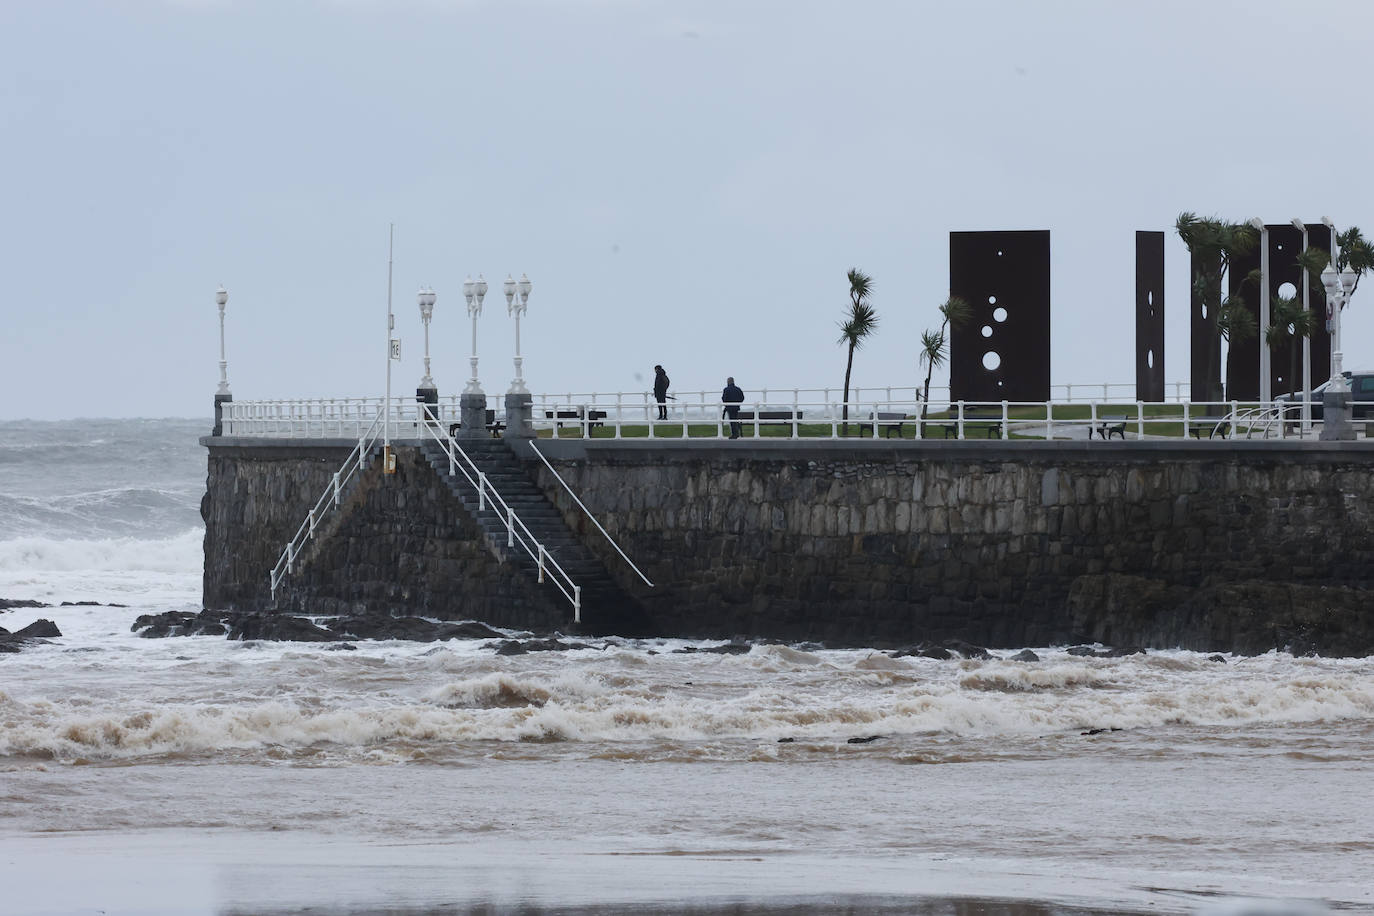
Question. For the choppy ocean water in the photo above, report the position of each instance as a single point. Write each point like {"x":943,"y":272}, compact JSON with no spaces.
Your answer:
{"x":198,"y":775}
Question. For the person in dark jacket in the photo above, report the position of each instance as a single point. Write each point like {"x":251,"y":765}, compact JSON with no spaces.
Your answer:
{"x":661,"y":391}
{"x":732,"y":397}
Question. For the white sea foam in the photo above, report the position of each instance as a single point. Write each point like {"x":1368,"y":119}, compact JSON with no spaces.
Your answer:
{"x":177,"y":554}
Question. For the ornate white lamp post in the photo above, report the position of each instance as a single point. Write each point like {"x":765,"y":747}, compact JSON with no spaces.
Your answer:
{"x":474,"y":293}
{"x":473,"y":401}
{"x":427,"y":394}
{"x":221,"y":300}
{"x":222,"y":394}
{"x":1339,"y":285}
{"x":519,"y":402}
{"x":426,"y":298}
{"x":517,"y":299}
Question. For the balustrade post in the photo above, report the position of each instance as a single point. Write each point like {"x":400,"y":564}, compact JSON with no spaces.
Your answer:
{"x":1140,"y":419}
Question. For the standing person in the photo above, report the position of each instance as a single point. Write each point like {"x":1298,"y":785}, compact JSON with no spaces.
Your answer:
{"x":661,"y":391}
{"x":732,"y":397}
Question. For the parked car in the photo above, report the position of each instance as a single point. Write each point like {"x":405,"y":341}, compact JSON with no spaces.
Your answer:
{"x":1361,"y":382}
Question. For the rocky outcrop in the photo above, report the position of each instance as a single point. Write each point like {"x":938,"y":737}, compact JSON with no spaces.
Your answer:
{"x":40,"y":630}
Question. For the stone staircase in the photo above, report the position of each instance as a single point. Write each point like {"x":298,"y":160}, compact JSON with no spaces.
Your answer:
{"x":606,"y":608}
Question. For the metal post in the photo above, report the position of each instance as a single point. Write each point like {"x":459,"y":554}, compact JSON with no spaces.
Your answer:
{"x":1306,"y":345}
{"x":390,"y":326}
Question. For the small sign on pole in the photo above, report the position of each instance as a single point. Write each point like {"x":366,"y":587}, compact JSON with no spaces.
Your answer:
{"x":396,"y":348}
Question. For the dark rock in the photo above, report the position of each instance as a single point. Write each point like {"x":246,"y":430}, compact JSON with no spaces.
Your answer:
{"x":179,"y":623}
{"x":343,"y":647}
{"x":867,"y":740}
{"x":80,"y":604}
{"x":520,"y":647}
{"x":730,"y":648}
{"x":278,"y":627}
{"x":1121,"y":652}
{"x":1088,"y":651}
{"x":39,"y":629}
{"x":1098,"y":731}
{"x":1025,"y":655}
{"x":786,"y":740}
{"x":416,"y":629}
{"x":937,"y":652}
{"x":1217,"y":658}
{"x":11,"y":603}
{"x":968,"y":650}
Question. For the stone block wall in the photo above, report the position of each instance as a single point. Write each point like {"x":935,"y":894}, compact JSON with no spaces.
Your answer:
{"x":1248,"y":545}
{"x":1213,"y":546}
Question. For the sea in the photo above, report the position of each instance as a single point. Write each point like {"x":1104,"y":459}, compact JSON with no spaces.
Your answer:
{"x":199,"y":775}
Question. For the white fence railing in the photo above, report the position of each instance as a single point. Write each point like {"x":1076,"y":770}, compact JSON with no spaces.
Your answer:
{"x":615,"y":416}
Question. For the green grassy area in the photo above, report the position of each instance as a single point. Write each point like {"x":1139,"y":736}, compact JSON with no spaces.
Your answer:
{"x":1160,"y":420}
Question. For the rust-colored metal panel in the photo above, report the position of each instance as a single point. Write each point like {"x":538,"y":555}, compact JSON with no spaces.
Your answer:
{"x":1149,"y":316}
{"x":1205,"y":350}
{"x":1241,"y":370}
{"x":1003,"y":353}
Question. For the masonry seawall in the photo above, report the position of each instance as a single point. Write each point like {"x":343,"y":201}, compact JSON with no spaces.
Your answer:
{"x":1240,"y":546}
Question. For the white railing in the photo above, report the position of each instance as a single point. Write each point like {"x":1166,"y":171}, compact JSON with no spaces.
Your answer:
{"x":618,"y":417}
{"x":516,"y":532}
{"x":329,"y":500}
{"x":583,"y":507}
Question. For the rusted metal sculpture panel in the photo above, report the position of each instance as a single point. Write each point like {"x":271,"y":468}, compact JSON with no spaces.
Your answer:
{"x":1003,"y":353}
{"x":1149,"y":316}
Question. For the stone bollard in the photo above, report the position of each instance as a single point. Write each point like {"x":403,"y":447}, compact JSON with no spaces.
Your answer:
{"x":518,"y":411}
{"x":472,"y":409}
{"x":220,"y":401}
{"x":1336,"y":425}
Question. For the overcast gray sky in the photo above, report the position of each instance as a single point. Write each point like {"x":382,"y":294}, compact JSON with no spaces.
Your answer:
{"x":685,"y":183}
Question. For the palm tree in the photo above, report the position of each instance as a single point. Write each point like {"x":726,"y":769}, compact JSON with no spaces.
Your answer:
{"x":1289,"y":322}
{"x":1213,"y":244}
{"x":1355,"y":254}
{"x":858,"y":324}
{"x":955,"y":313}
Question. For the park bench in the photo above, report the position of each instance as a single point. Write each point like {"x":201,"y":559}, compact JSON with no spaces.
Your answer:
{"x":989,"y":421}
{"x":1212,"y":426}
{"x":1109,"y":426}
{"x":888,"y":421}
{"x":587,"y":419}
{"x":766,"y":417}
{"x":494,"y":426}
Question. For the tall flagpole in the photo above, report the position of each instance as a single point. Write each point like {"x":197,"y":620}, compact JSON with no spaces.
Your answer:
{"x":387,"y":465}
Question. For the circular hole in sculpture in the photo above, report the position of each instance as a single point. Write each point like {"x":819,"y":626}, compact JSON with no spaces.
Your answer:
{"x":987,"y":330}
{"x":999,"y":254}
{"x":991,"y":361}
{"x":992,"y":300}
{"x":1287,"y":291}
{"x":1150,"y":358}
{"x":999,"y":314}
{"x":1150,"y":298}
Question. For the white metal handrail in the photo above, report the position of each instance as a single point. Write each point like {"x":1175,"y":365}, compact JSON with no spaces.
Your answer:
{"x":516,"y":531}
{"x":583,"y":507}
{"x":328,"y":501}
